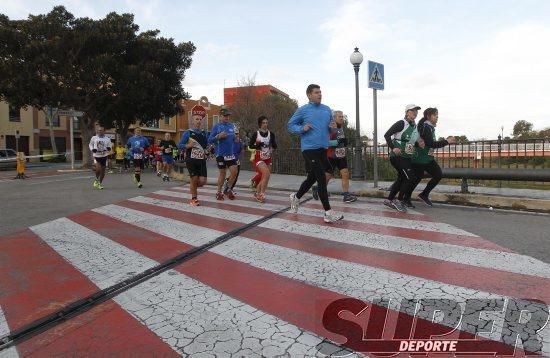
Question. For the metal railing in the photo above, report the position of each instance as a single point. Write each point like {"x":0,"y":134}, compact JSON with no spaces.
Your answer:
{"x":505,"y":154}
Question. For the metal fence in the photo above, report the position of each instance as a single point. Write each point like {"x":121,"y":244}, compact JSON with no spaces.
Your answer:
{"x":511,"y":154}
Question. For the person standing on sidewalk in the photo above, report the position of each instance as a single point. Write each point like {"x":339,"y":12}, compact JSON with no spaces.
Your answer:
{"x":402,"y":149}
{"x":120,"y":152}
{"x":223,"y":136}
{"x":263,"y":141}
{"x":313,"y":122}
{"x":100,"y":145}
{"x":194,"y":142}
{"x":423,"y":159}
{"x":137,"y":144}
{"x":336,"y":154}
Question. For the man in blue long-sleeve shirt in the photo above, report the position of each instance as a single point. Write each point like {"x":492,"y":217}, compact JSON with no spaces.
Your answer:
{"x":313,"y":122}
{"x":223,"y":135}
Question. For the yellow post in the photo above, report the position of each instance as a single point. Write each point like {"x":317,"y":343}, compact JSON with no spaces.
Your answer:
{"x":20,"y":165}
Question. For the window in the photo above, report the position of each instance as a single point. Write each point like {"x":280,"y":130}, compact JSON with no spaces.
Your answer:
{"x":15,"y":114}
{"x":154,"y":123}
{"x":167,"y":120}
{"x":76,"y":124}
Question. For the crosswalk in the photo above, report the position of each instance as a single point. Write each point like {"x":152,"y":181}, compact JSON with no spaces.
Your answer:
{"x":260,"y":293}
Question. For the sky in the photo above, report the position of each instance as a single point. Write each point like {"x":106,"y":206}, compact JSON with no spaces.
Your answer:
{"x":484,"y":64}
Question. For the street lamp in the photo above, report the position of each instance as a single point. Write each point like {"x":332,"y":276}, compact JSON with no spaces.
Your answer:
{"x":356,"y":58}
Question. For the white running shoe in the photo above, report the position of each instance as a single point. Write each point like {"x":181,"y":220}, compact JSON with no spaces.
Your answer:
{"x":294,"y":203}
{"x":331,"y":217}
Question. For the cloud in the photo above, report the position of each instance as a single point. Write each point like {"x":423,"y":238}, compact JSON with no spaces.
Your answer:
{"x":351,"y":26}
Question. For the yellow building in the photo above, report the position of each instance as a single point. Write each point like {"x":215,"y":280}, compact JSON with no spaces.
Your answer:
{"x":34,"y":130}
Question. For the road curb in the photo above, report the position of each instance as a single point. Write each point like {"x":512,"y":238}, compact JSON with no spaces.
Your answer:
{"x":496,"y":202}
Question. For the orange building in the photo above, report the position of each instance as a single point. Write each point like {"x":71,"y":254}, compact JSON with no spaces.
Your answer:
{"x":229,"y":94}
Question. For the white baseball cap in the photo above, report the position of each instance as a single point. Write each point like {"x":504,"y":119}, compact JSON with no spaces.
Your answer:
{"x":411,"y":107}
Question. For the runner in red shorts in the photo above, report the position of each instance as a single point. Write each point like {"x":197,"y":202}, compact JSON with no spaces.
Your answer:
{"x":264,"y":142}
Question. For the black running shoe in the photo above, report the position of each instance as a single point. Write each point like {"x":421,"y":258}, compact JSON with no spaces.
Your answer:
{"x":425,"y":199}
{"x":407,"y":203}
{"x":350,"y":198}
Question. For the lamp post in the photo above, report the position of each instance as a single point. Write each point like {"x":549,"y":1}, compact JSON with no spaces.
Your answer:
{"x":356,"y":58}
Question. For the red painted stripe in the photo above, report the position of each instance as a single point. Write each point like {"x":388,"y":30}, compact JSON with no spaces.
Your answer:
{"x":478,"y":278}
{"x":300,"y":304}
{"x":37,"y":281}
{"x":158,"y":247}
{"x":195,"y":219}
{"x":425,"y":235}
{"x":222,"y":205}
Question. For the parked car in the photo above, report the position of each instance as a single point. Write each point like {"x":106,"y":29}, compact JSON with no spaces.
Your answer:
{"x":8,"y":159}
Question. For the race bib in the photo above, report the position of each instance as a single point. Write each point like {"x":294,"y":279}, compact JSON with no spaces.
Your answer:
{"x":197,"y":153}
{"x":265,"y":153}
{"x":168,"y":150}
{"x":228,"y":157}
{"x":340,"y":152}
{"x":409,"y":148}
{"x":138,"y":156}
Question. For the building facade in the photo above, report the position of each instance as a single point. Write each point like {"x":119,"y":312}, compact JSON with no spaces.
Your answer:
{"x":34,"y":133}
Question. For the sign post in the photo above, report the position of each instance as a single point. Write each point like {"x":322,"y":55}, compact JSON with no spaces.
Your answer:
{"x":376,"y":82}
{"x":17,"y":136}
{"x":73,"y":115}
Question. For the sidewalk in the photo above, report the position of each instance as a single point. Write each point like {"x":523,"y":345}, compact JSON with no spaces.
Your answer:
{"x":518,"y":199}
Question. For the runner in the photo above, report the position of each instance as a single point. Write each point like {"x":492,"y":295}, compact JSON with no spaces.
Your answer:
{"x":120,"y":152}
{"x":402,"y":149}
{"x":237,"y":150}
{"x":223,"y":135}
{"x":194,"y":141}
{"x":336,"y":154}
{"x":100,"y":145}
{"x":313,"y":122}
{"x":157,"y":156}
{"x":263,"y":141}
{"x":137,"y":144}
{"x":423,"y":158}
{"x":167,"y":147}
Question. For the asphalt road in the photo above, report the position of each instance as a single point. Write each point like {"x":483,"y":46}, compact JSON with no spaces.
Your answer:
{"x":40,"y":199}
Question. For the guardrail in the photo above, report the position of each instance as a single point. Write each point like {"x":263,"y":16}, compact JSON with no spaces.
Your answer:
{"x":508,"y":160}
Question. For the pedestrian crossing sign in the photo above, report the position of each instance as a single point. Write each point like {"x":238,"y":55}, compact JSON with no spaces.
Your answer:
{"x":376,"y":75}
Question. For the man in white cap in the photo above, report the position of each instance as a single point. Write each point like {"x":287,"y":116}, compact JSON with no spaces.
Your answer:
{"x":401,"y":139}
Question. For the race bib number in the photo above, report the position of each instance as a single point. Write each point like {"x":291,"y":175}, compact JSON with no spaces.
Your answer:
{"x":228,"y":157}
{"x":409,"y":148}
{"x":100,"y":146}
{"x":138,"y":156}
{"x":197,"y":153}
{"x":265,"y":153}
{"x":340,"y":152}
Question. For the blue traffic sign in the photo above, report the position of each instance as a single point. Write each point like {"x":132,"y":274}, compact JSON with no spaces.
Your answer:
{"x":376,"y":75}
